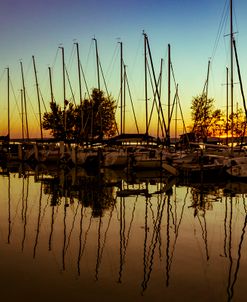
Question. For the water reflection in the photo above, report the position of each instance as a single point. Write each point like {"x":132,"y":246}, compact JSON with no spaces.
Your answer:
{"x":111,"y":235}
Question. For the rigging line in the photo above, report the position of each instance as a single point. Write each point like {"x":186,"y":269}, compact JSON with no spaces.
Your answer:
{"x":71,"y":90}
{"x":103,"y":79}
{"x":220,"y":29}
{"x":158,"y":106}
{"x":156,"y":85}
{"x":43,"y":100}
{"x":173,"y":105}
{"x":28,"y":68}
{"x":118,"y":98}
{"x":181,"y":113}
{"x":88,"y":55}
{"x":31,"y":105}
{"x":173,"y":75}
{"x":240,"y":79}
{"x":112,"y":62}
{"x":15,"y":98}
{"x":72,"y":56}
{"x":154,"y":99}
{"x":235,"y":19}
{"x":84,"y":79}
{"x":3,"y":74}
{"x":55,"y":59}
{"x":115,"y":122}
{"x":136,"y":54}
{"x":132,"y":104}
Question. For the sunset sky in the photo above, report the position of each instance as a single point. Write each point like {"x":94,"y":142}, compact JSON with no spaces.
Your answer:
{"x":196,"y":31}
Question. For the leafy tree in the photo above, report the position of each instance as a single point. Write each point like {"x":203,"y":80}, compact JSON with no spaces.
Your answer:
{"x":98,"y":114}
{"x":54,"y":121}
{"x":92,"y":119}
{"x":237,"y":122}
{"x":206,"y":121}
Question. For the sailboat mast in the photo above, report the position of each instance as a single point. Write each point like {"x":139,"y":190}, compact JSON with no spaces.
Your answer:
{"x":240,"y":78}
{"x":145,"y":80}
{"x":64,"y":88}
{"x":231,"y":70}
{"x":79,"y":79}
{"x":8,"y":102}
{"x":207,"y":80}
{"x":22,"y":117}
{"x":156,"y":84}
{"x":169,"y":92}
{"x":24,"y":99}
{"x":37,"y":88}
{"x":97,"y":61}
{"x":160,"y":87}
{"x":227,"y":99}
{"x":51,"y":87}
{"x":64,"y":92}
{"x":79,"y":71}
{"x":121,"y":88}
{"x":124,"y":97}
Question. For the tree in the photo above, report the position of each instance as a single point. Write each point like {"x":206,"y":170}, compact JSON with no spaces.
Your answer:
{"x":237,"y":123}
{"x":92,"y":119}
{"x":206,"y":121}
{"x":98,"y":116}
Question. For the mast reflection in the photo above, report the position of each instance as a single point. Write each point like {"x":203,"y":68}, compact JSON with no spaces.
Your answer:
{"x":97,"y":226}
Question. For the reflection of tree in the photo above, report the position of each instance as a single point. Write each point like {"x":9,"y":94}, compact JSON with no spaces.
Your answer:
{"x":91,"y":191}
{"x":98,"y":197}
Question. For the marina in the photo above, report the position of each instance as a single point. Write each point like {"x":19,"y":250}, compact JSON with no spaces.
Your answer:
{"x":125,"y":183}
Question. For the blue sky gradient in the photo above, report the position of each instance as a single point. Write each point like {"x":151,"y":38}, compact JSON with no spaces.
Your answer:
{"x":38,"y":28}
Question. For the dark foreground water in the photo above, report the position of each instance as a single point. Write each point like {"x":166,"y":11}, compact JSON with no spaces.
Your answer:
{"x":69,"y":236}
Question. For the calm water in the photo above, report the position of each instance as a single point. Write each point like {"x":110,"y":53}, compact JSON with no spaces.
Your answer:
{"x":69,"y":236}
